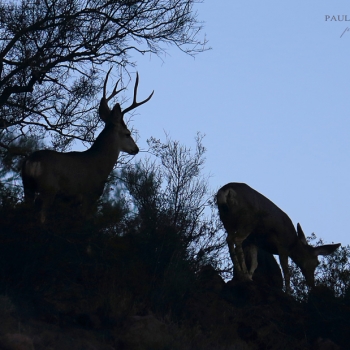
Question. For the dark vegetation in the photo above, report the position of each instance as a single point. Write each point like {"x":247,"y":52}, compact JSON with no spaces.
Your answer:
{"x":146,"y":272}
{"x":151,"y":269}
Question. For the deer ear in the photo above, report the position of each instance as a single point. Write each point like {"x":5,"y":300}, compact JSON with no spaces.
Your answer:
{"x":326,"y":249}
{"x":104,"y":110}
{"x":117,"y":112}
{"x":301,"y":235}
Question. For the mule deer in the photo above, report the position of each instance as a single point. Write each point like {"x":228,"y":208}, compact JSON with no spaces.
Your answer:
{"x":81,"y":175}
{"x":249,"y":216}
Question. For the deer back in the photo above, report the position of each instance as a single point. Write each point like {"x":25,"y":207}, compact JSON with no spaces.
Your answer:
{"x":242,"y":207}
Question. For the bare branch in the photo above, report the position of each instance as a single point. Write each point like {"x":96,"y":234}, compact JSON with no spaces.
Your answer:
{"x":51,"y":54}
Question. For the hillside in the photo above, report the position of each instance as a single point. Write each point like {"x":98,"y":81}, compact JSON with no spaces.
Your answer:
{"x":73,"y":286}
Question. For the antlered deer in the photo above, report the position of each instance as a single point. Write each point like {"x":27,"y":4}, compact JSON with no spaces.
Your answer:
{"x":81,"y":175}
{"x":248,"y":215}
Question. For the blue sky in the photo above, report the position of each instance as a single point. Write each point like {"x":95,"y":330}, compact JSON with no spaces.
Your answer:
{"x":272,"y":98}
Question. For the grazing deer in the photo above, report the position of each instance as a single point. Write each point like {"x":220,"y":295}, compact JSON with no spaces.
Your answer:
{"x":248,"y":215}
{"x":81,"y":175}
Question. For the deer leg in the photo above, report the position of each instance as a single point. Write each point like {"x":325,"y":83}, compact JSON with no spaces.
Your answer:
{"x":29,"y":195}
{"x":237,"y":257}
{"x":252,"y":250}
{"x":284,"y":264}
{"x":231,"y":248}
{"x":88,"y":207}
{"x":47,"y":200}
{"x":241,"y":261}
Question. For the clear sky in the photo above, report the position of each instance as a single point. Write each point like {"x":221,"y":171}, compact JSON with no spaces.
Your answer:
{"x":272,"y":98}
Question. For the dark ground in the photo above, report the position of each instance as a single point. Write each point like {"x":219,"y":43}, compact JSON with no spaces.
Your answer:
{"x":63,"y":290}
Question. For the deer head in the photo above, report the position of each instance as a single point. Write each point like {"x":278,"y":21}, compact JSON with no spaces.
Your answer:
{"x":113,"y":118}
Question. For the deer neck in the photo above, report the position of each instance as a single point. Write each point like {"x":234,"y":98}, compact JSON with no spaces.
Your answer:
{"x":105,"y":150}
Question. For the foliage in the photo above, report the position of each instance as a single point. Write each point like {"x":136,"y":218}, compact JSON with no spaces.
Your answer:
{"x":144,"y":259}
{"x":333,"y":273}
{"x":152,"y":221}
{"x":168,"y":193}
{"x":52,"y":54}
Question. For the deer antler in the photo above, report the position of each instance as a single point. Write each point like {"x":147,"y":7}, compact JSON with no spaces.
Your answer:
{"x":134,"y":103}
{"x":114,"y":92}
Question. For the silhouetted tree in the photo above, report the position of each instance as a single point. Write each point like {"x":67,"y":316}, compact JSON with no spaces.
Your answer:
{"x":169,"y":194}
{"x":52,"y":54}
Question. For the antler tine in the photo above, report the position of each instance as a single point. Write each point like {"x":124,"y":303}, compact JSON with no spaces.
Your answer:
{"x":114,"y":92}
{"x":105,"y":83}
{"x":134,"y":103}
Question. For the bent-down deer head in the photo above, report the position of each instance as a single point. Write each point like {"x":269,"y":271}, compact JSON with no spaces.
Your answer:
{"x":81,"y":175}
{"x":249,"y":216}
